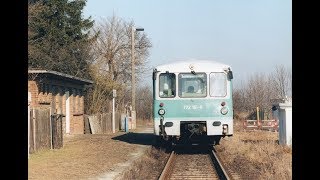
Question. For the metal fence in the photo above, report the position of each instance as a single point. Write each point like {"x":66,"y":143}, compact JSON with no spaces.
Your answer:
{"x":270,"y":124}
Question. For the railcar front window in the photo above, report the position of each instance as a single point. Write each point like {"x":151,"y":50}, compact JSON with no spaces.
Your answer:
{"x":167,"y":85}
{"x":218,"y":84}
{"x":192,"y":85}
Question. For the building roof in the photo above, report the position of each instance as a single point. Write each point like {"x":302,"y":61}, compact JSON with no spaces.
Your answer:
{"x":58,"y":74}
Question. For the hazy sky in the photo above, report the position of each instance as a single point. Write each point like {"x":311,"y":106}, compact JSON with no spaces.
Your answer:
{"x":250,"y":35}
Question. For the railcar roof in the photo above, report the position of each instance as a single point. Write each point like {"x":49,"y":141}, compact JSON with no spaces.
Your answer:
{"x":198,"y":65}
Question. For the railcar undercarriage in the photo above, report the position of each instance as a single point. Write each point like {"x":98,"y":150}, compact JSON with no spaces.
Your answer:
{"x":191,"y":132}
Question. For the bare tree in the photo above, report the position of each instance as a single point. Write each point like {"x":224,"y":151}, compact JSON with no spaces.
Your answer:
{"x":282,"y":81}
{"x":112,"y":48}
{"x":111,"y":62}
{"x":144,"y":103}
{"x":240,"y":102}
{"x":259,"y":91}
{"x":289,"y":71}
{"x":256,"y":90}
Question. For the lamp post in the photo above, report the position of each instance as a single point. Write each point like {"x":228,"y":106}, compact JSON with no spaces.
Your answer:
{"x":133,"y":81}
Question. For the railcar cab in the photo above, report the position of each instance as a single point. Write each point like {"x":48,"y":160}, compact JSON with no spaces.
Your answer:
{"x":185,"y":98}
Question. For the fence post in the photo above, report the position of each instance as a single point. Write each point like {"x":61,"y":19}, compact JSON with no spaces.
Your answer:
{"x":34,"y":129}
{"x":29,"y":103}
{"x":258,"y":118}
{"x":57,"y":137}
{"x":51,"y":128}
{"x":127,"y":124}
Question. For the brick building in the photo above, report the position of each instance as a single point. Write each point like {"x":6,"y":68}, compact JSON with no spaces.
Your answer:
{"x":62,"y":94}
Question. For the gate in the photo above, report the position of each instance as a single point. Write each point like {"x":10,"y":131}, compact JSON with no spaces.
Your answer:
{"x":271,"y":125}
{"x":56,"y":131}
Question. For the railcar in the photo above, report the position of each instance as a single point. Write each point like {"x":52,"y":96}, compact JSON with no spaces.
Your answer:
{"x":192,"y":102}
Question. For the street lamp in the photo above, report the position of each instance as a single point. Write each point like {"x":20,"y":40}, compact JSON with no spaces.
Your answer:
{"x":133,"y":102}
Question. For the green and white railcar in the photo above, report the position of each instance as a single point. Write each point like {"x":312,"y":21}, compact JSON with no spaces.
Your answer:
{"x":192,"y":101}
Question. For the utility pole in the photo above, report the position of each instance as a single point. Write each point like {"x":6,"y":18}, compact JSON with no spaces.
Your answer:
{"x":114,"y":94}
{"x":133,"y":80}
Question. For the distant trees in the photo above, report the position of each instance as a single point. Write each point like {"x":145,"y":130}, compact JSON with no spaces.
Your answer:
{"x":144,"y":103}
{"x":58,"y":37}
{"x":261,"y":90}
{"x":281,"y":80}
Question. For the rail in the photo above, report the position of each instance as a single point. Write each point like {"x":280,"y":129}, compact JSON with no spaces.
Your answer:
{"x":167,"y":169}
{"x":194,"y":166}
{"x":218,"y":166}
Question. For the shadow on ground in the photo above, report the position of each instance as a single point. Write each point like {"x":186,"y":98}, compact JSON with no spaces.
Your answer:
{"x":137,"y":138}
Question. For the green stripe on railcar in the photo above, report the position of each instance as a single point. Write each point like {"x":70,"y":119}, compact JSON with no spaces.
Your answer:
{"x":199,"y":108}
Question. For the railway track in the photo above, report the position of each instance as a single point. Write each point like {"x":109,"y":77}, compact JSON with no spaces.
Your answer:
{"x":194,"y":164}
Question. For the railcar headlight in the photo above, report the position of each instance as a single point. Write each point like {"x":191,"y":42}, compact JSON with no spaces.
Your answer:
{"x":224,"y":110}
{"x":161,"y":112}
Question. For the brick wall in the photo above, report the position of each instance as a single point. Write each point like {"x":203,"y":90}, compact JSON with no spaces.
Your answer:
{"x":41,"y":95}
{"x":33,"y":89}
{"x":77,"y":112}
{"x":46,"y":95}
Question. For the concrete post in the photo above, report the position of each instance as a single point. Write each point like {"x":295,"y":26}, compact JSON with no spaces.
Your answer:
{"x":285,"y":122}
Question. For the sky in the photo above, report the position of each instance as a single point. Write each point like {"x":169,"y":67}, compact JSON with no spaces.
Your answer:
{"x":251,"y":36}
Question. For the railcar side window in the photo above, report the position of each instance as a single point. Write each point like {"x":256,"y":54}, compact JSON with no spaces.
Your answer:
{"x":192,"y":85}
{"x":218,"y":84}
{"x":167,"y":85}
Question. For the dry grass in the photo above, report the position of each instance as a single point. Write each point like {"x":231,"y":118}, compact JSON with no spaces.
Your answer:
{"x":252,"y":154}
{"x":256,"y":155}
{"x":149,"y":165}
{"x":82,"y":157}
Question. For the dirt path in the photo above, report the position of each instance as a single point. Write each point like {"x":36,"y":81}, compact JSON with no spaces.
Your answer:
{"x":90,"y":156}
{"x":118,"y":169}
